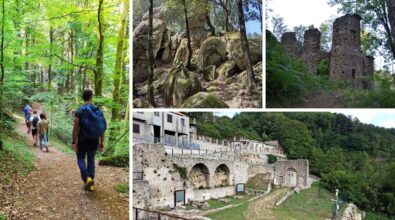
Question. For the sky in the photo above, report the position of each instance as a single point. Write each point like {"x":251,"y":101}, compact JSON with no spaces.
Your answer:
{"x":379,"y":117}
{"x":302,"y":12}
{"x":253,"y":27}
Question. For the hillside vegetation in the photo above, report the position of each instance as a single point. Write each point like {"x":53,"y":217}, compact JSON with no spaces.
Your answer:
{"x":356,"y":158}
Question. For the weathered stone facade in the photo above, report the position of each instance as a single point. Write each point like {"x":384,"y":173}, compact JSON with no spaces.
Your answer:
{"x":345,"y":60}
{"x":206,"y":177}
{"x":288,"y":40}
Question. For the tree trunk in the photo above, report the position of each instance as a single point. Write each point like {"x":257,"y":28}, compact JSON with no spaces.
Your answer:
{"x":209,"y":24}
{"x":99,"y":53}
{"x":151,"y":97}
{"x":391,"y":16}
{"x":51,"y":35}
{"x":118,"y":63}
{"x":188,"y":34}
{"x":246,"y":50}
{"x":2,"y":72}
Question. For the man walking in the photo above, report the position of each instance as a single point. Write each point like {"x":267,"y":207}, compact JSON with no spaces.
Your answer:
{"x":34,"y":120}
{"x":88,"y":136}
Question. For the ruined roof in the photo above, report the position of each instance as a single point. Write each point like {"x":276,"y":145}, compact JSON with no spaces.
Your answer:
{"x":272,"y":143}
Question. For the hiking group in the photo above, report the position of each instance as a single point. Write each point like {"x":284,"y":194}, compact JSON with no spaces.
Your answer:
{"x":87,"y":135}
{"x":38,"y":125}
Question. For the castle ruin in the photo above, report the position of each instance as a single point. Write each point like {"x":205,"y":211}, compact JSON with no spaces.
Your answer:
{"x":345,"y":61}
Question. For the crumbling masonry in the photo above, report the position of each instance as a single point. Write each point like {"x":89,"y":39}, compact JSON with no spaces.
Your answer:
{"x":345,"y":60}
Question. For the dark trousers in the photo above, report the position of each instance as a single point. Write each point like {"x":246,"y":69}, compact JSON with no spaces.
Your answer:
{"x":86,"y":169}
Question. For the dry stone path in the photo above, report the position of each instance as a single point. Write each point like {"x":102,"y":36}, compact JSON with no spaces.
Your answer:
{"x":260,"y":208}
{"x":54,"y":190}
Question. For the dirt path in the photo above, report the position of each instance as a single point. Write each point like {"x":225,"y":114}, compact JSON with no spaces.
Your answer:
{"x":260,"y":209}
{"x":54,"y":190}
{"x":320,"y":99}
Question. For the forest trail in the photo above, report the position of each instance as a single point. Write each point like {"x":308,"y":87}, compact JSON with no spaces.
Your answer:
{"x":320,"y":99}
{"x":260,"y":208}
{"x":54,"y":190}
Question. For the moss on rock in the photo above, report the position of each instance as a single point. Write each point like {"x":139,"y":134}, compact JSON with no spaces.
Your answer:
{"x":203,"y":100}
{"x":180,"y":84}
{"x":212,"y":52}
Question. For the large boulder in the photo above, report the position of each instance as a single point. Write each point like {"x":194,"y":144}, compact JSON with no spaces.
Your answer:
{"x":140,"y":39}
{"x":179,"y":85}
{"x":212,"y":52}
{"x":158,"y":13}
{"x":235,"y":50}
{"x":227,"y":69}
{"x":197,"y":29}
{"x":203,"y":100}
{"x":182,"y":52}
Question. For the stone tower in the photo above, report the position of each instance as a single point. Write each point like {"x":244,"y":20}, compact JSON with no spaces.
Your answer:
{"x":288,"y":40}
{"x":311,"y":49}
{"x":368,"y":72}
{"x":346,"y":57}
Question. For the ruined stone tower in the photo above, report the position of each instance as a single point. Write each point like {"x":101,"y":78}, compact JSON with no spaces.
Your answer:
{"x":368,"y":72}
{"x":345,"y":60}
{"x":288,"y":40}
{"x":346,"y":56}
{"x":311,"y":49}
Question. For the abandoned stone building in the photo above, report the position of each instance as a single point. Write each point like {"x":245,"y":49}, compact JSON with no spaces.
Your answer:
{"x":172,"y":174}
{"x":345,"y":60}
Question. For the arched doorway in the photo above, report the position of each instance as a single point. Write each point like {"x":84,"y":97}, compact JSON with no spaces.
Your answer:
{"x":221,"y":176}
{"x":291,"y":177}
{"x":200,"y":176}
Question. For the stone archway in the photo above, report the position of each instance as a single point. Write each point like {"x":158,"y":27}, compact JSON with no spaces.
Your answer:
{"x":291,"y":177}
{"x":200,"y":176}
{"x":221,"y":176}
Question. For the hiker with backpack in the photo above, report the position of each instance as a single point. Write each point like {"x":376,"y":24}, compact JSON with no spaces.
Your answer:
{"x":43,"y":126}
{"x":34,"y":120}
{"x":88,"y":137}
{"x":27,"y":111}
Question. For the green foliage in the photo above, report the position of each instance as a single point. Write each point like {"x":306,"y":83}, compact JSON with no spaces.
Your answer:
{"x":257,"y":182}
{"x":115,"y":160}
{"x":323,"y":68}
{"x":182,"y":171}
{"x":284,"y":76}
{"x":271,"y":158}
{"x":15,"y":156}
{"x":122,"y":187}
{"x":2,"y":217}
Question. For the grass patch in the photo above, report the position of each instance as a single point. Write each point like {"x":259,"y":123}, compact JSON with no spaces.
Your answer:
{"x":60,"y":145}
{"x":308,"y":204}
{"x":122,"y":187}
{"x":115,"y":160}
{"x":2,"y":217}
{"x":257,"y":182}
{"x":377,"y":216}
{"x":235,"y":213}
{"x":16,"y":157}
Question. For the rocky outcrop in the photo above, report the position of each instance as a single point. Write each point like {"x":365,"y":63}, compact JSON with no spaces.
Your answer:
{"x":197,"y":30}
{"x":180,"y":84}
{"x":182,"y":52}
{"x":351,"y":213}
{"x":161,"y":44}
{"x":203,"y":100}
{"x":212,"y":52}
{"x":235,"y":50}
{"x":227,"y":69}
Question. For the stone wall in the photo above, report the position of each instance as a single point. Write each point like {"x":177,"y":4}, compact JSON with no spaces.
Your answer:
{"x":257,"y":169}
{"x":368,"y":72}
{"x":281,"y":169}
{"x":163,"y":180}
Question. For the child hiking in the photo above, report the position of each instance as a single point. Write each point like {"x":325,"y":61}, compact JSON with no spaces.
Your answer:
{"x":34,"y":120}
{"x":27,"y":111}
{"x":43,"y":126}
{"x":88,"y":136}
